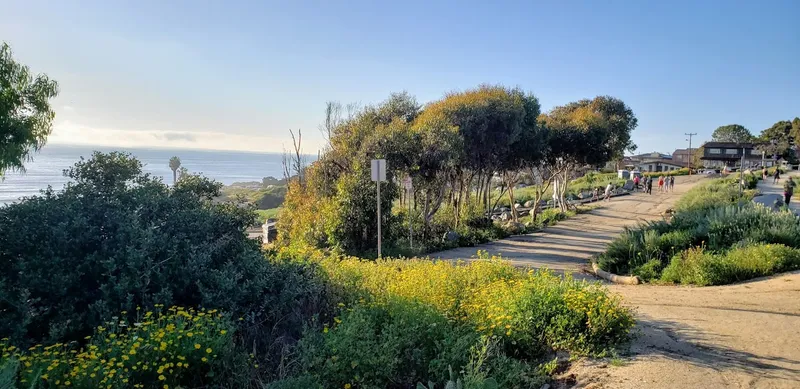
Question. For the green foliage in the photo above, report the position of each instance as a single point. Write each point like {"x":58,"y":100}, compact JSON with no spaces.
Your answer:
{"x":116,"y":238}
{"x":711,"y":220}
{"x":265,"y":198}
{"x":404,"y":322}
{"x":716,"y":193}
{"x":700,"y":267}
{"x":180,"y":347}
{"x":732,"y":133}
{"x":649,"y":271}
{"x":26,"y":118}
{"x":777,"y":140}
{"x":264,"y":214}
{"x":394,"y":344}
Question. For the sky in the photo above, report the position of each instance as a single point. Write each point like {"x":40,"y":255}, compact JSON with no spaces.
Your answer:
{"x":237,"y":75}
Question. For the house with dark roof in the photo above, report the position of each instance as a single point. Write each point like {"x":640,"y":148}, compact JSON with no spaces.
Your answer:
{"x":730,"y":154}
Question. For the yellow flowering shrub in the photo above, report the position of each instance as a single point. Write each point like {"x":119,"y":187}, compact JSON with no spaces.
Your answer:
{"x":169,"y":348}
{"x":534,"y":311}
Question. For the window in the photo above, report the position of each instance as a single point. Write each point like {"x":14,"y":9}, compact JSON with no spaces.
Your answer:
{"x":680,"y":157}
{"x":649,"y":168}
{"x":714,"y":151}
{"x":731,"y":151}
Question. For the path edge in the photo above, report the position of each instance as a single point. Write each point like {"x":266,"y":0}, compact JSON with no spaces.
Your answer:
{"x":617,"y":279}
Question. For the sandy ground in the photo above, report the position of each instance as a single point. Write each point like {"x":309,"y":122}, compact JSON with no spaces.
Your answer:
{"x":737,"y":336}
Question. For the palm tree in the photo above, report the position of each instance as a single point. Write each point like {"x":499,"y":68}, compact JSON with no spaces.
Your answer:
{"x":174,"y":164}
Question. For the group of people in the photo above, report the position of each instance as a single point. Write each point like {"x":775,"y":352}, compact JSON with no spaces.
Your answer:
{"x":665,"y":184}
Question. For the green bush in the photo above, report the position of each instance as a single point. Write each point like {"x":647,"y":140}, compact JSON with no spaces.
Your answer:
{"x":700,"y":267}
{"x":714,"y":216}
{"x":396,"y":344}
{"x":651,"y":270}
{"x":116,"y":238}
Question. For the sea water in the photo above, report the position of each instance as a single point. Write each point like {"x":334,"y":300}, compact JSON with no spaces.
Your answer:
{"x":227,"y":167}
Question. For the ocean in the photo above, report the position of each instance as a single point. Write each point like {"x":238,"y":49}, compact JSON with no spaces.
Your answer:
{"x":226,"y":167}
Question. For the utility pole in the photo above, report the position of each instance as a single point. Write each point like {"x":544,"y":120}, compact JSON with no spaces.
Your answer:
{"x":690,"y":135}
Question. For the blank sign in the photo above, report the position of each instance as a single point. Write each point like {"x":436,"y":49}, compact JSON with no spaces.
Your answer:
{"x":379,"y":170}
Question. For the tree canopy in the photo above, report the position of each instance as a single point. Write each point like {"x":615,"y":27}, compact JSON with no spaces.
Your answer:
{"x":25,"y":114}
{"x":454,"y":150}
{"x":777,"y":140}
{"x":732,"y":133}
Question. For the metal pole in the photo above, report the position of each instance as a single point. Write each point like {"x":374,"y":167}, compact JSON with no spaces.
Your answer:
{"x":378,"y":183}
{"x":410,"y":221}
{"x":741,"y":173}
{"x":690,"y":135}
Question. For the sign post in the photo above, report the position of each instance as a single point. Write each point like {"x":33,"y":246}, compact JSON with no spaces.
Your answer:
{"x":409,"y":185}
{"x":379,"y":175}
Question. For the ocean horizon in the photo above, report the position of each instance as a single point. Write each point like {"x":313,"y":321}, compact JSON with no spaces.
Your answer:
{"x":227,"y":167}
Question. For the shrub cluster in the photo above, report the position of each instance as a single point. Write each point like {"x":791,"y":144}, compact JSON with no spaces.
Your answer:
{"x":173,"y":348}
{"x":695,"y":245}
{"x":406,"y":321}
{"x":115,"y":239}
{"x":700,"y":267}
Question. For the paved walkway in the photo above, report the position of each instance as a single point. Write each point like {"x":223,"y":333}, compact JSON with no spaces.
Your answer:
{"x":768,"y":188}
{"x":567,"y":246}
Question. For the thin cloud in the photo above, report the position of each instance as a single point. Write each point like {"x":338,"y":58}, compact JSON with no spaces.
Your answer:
{"x":177,"y":136}
{"x":68,"y":132}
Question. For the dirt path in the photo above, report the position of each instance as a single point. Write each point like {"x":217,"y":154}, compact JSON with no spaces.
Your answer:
{"x":567,"y":246}
{"x":737,"y":336}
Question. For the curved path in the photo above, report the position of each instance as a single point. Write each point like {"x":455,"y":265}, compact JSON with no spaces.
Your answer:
{"x":737,"y":336}
{"x":567,"y":246}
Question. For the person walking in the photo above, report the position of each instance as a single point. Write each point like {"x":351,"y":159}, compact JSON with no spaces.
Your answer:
{"x":777,"y":176}
{"x":595,"y":194}
{"x":649,"y":185}
{"x":609,"y":188}
{"x":764,"y":173}
{"x":660,"y":183}
{"x":635,"y":183}
{"x":788,"y":190}
{"x":672,"y":183}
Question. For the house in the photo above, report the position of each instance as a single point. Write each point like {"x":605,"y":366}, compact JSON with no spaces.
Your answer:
{"x":653,"y":162}
{"x":659,"y":165}
{"x":730,"y":154}
{"x":682,"y":155}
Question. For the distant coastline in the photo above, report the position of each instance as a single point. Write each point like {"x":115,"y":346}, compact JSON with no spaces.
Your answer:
{"x":227,"y":167}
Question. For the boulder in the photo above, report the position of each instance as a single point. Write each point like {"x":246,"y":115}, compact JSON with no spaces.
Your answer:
{"x":529,"y":204}
{"x":451,"y":236}
{"x":505,"y":216}
{"x":628,"y":185}
{"x":771,"y":201}
{"x":517,"y":206}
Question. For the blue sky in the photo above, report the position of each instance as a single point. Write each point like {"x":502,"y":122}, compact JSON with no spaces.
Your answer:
{"x":239,"y":74}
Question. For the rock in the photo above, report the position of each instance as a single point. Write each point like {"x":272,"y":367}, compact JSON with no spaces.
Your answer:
{"x":529,"y":204}
{"x":517,"y":206}
{"x":771,"y":201}
{"x":514,"y":228}
{"x":451,"y":236}
{"x":628,"y":185}
{"x":505,"y":216}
